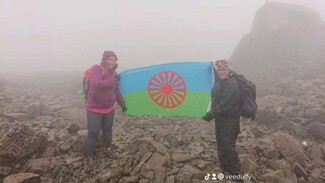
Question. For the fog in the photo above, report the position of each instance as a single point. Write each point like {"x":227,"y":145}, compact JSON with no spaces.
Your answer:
{"x":59,"y":35}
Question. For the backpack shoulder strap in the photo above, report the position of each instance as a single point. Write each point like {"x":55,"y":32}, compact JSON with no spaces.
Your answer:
{"x":239,"y":77}
{"x":102,"y":69}
{"x":87,"y":71}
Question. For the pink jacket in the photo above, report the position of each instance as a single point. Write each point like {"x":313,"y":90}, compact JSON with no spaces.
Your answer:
{"x":104,"y":91}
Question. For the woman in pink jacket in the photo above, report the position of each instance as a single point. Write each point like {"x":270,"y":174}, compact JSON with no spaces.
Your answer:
{"x":103,"y":92}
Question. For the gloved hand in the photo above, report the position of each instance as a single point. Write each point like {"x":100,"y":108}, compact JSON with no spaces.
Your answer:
{"x":207,"y":117}
{"x":124,"y":109}
{"x":115,"y":67}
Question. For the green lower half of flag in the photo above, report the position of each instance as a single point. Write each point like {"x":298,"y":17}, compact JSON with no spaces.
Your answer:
{"x":195,"y":104}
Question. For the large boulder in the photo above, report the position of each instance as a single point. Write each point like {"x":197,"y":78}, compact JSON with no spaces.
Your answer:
{"x":290,"y":148}
{"x":20,"y":141}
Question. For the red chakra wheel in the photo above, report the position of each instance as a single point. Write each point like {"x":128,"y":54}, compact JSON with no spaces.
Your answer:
{"x":167,"y":89}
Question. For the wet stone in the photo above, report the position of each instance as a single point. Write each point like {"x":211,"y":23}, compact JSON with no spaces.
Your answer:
{"x":159,"y":147}
{"x":317,"y":129}
{"x":203,"y":164}
{"x":170,"y":179}
{"x":187,"y":173}
{"x":155,"y":162}
{"x":278,"y":164}
{"x":207,"y":154}
{"x":79,"y":144}
{"x":299,"y":171}
{"x":5,"y":170}
{"x":63,"y":135}
{"x":145,"y":157}
{"x":272,"y":176}
{"x":248,"y":166}
{"x":39,"y":166}
{"x":65,"y":147}
{"x":172,"y":140}
{"x":173,"y":171}
{"x":316,"y":154}
{"x":144,"y":181}
{"x":75,"y":165}
{"x":147,"y":175}
{"x":291,"y":111}
{"x":309,"y":113}
{"x":115,"y":172}
{"x":131,"y":179}
{"x":291,"y":179}
{"x":22,"y":178}
{"x":44,"y":129}
{"x":18,"y":116}
{"x":160,"y":176}
{"x":259,"y":131}
{"x":70,"y":160}
{"x":187,"y":139}
{"x":271,"y":152}
{"x":72,"y":128}
{"x":196,"y":150}
{"x":180,"y":157}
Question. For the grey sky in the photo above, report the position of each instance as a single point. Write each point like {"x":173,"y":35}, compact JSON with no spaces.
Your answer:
{"x":72,"y":34}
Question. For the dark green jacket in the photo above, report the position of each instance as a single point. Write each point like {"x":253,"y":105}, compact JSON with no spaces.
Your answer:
{"x":226,"y":97}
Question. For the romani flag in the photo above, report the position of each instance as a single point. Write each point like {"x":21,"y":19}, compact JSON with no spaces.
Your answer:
{"x":174,"y":89}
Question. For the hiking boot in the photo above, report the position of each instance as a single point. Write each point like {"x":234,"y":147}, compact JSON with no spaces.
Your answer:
{"x":88,"y":163}
{"x":110,"y":153}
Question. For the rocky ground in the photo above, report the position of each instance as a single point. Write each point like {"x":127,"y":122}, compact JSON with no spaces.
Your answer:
{"x":43,"y":128}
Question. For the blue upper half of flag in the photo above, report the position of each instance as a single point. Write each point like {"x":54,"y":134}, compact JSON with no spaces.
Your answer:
{"x":197,"y":77}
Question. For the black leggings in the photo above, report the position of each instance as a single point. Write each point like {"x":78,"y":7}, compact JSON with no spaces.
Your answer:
{"x":97,"y":122}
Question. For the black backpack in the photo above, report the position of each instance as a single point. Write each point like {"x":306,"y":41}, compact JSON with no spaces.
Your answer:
{"x":248,"y":97}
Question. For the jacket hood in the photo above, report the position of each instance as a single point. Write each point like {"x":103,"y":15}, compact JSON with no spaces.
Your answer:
{"x":107,"y":54}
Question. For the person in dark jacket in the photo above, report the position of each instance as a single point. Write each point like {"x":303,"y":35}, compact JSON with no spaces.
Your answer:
{"x":225,"y":109}
{"x":103,"y":92}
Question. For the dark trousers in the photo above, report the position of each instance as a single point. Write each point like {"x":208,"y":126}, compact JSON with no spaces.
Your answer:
{"x":227,"y":130}
{"x":97,"y":122}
